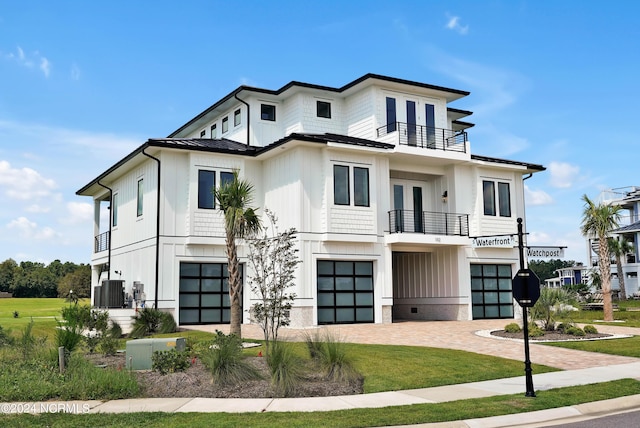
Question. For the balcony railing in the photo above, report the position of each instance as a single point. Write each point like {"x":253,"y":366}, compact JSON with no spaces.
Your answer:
{"x":426,"y":136}
{"x":101,"y":242}
{"x":432,"y":223}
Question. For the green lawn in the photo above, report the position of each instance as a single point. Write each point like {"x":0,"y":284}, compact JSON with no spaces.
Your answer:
{"x":628,"y":311}
{"x":629,"y":347}
{"x":42,"y":310}
{"x":398,"y":415}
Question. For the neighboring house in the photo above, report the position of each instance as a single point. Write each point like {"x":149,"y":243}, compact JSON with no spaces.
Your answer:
{"x":376,"y":176}
{"x":566,"y":276}
{"x":628,"y":198}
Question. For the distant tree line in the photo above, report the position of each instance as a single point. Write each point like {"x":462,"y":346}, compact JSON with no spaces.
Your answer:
{"x":545,"y":269}
{"x":57,"y":279}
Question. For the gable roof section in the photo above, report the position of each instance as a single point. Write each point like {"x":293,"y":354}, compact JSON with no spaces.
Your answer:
{"x":633,"y":227}
{"x":454,"y":93}
{"x":529,"y":166}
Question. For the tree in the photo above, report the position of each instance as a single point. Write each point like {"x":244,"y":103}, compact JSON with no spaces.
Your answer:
{"x":553,"y":304}
{"x":79,"y":281}
{"x":599,"y":220}
{"x":8,"y":270}
{"x":240,"y":221}
{"x":274,"y":259}
{"x":546,"y":269}
{"x":620,"y":248}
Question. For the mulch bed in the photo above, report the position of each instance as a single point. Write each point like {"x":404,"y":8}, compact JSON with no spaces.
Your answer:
{"x":549,"y":336}
{"x":196,"y":381}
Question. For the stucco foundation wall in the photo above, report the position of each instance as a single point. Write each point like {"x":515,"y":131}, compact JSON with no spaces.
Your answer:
{"x":431,"y":312}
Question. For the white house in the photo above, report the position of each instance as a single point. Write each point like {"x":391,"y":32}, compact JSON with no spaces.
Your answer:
{"x":397,"y":219}
{"x":628,"y":198}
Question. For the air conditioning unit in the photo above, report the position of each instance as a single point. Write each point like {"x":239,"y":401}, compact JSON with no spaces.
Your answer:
{"x":97,"y":296}
{"x":112,"y":293}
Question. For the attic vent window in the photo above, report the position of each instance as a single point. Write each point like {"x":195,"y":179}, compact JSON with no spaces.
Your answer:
{"x":268,"y":112}
{"x":203,"y":133}
{"x":323,"y":109}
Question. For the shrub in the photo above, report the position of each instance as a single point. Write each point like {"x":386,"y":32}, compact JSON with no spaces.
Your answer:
{"x":27,"y":341}
{"x":553,"y":304}
{"x":314,"y":344}
{"x":512,"y":328}
{"x":535,"y":331}
{"x":149,"y":321}
{"x":285,"y":368}
{"x":589,"y":329}
{"x":575,"y":331}
{"x":331,"y":355}
{"x":225,"y":361}
{"x":169,"y":361}
{"x":108,"y":345}
{"x":16,"y":314}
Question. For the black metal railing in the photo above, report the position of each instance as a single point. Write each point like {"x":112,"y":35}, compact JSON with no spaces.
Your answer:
{"x":101,"y":242}
{"x":427,"y":222}
{"x":426,"y":136}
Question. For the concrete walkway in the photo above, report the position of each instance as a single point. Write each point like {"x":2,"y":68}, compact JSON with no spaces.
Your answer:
{"x":580,"y":367}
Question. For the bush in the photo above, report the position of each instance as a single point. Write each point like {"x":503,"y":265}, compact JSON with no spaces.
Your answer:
{"x":512,"y":328}
{"x":170,"y":361}
{"x":285,"y":368}
{"x":225,"y":361}
{"x":331,"y":355}
{"x":108,"y":345}
{"x":16,"y":314}
{"x":553,"y":304}
{"x":575,"y":331}
{"x":149,"y":321}
{"x":535,"y":331}
{"x":589,"y":329}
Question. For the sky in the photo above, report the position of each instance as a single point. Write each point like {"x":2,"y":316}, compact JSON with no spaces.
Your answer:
{"x":83,"y":83}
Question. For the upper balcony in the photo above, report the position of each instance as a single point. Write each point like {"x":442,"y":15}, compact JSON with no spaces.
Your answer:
{"x":425,"y":136}
{"x":426,"y":222}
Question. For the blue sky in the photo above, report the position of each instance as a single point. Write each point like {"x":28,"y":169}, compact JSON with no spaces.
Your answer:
{"x":82,"y":83}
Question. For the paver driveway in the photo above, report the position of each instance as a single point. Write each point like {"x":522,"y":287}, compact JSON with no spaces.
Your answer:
{"x":459,"y":335}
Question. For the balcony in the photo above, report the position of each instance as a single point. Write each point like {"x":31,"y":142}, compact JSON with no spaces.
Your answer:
{"x":101,"y":242}
{"x":426,"y":137}
{"x":430,"y":223}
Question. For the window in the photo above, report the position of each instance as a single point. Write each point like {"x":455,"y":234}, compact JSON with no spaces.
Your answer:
{"x":345,"y":292}
{"x":340,"y":185}
{"x":323,"y":109}
{"x":391,"y":114}
{"x":491,"y":293}
{"x":206,"y":184}
{"x":214,"y":131}
{"x":204,"y":293}
{"x":236,"y":117}
{"x":114,"y":210}
{"x":203,"y":133}
{"x":489,"y":197}
{"x":361,"y":187}
{"x":225,"y":124}
{"x":504,"y":200}
{"x":140,"y":196}
{"x":226,"y":177}
{"x":268,"y":112}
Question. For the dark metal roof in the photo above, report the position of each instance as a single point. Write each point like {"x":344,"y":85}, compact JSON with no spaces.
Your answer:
{"x":318,"y":87}
{"x":633,"y":227}
{"x":205,"y":144}
{"x":329,"y":138}
{"x":532,"y":166}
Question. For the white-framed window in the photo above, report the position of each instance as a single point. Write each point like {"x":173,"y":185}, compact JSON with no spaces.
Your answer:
{"x":203,"y":133}
{"x":206,"y":184}
{"x":237,"y":117}
{"x":214,"y":131}
{"x":114,"y":210}
{"x":225,"y":124}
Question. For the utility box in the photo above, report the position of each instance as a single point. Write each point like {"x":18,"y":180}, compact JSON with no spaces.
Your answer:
{"x":140,"y":351}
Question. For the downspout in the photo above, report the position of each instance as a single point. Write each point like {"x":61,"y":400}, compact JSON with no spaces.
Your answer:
{"x":157,"y":228}
{"x":248,"y":116}
{"x":110,"y":226}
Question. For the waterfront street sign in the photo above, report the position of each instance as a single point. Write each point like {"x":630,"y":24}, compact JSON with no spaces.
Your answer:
{"x":498,"y":241}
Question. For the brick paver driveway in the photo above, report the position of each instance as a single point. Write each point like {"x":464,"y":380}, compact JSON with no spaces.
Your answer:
{"x":459,"y":335}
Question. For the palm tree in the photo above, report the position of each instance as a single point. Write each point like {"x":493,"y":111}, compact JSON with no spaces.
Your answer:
{"x":240,"y":221}
{"x":619,"y":248}
{"x":599,"y":220}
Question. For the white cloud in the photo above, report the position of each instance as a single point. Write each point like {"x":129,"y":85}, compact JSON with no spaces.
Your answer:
{"x":29,"y":230}
{"x":37,"y":209}
{"x":30,"y":60}
{"x":536,"y":197}
{"x":454,"y":24}
{"x":78,"y":212}
{"x":75,"y":72}
{"x":563,"y":175}
{"x":24,"y":183}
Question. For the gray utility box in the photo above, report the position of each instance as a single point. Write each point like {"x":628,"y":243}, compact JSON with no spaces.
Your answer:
{"x":140,"y":351}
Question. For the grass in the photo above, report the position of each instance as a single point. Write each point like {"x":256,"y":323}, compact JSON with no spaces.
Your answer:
{"x":42,"y":310}
{"x":628,"y":311}
{"x":399,"y":415}
{"x":629,"y":347}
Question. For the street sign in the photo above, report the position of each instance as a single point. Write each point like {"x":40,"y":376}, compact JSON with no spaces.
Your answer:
{"x":546,"y":252}
{"x":526,"y":288}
